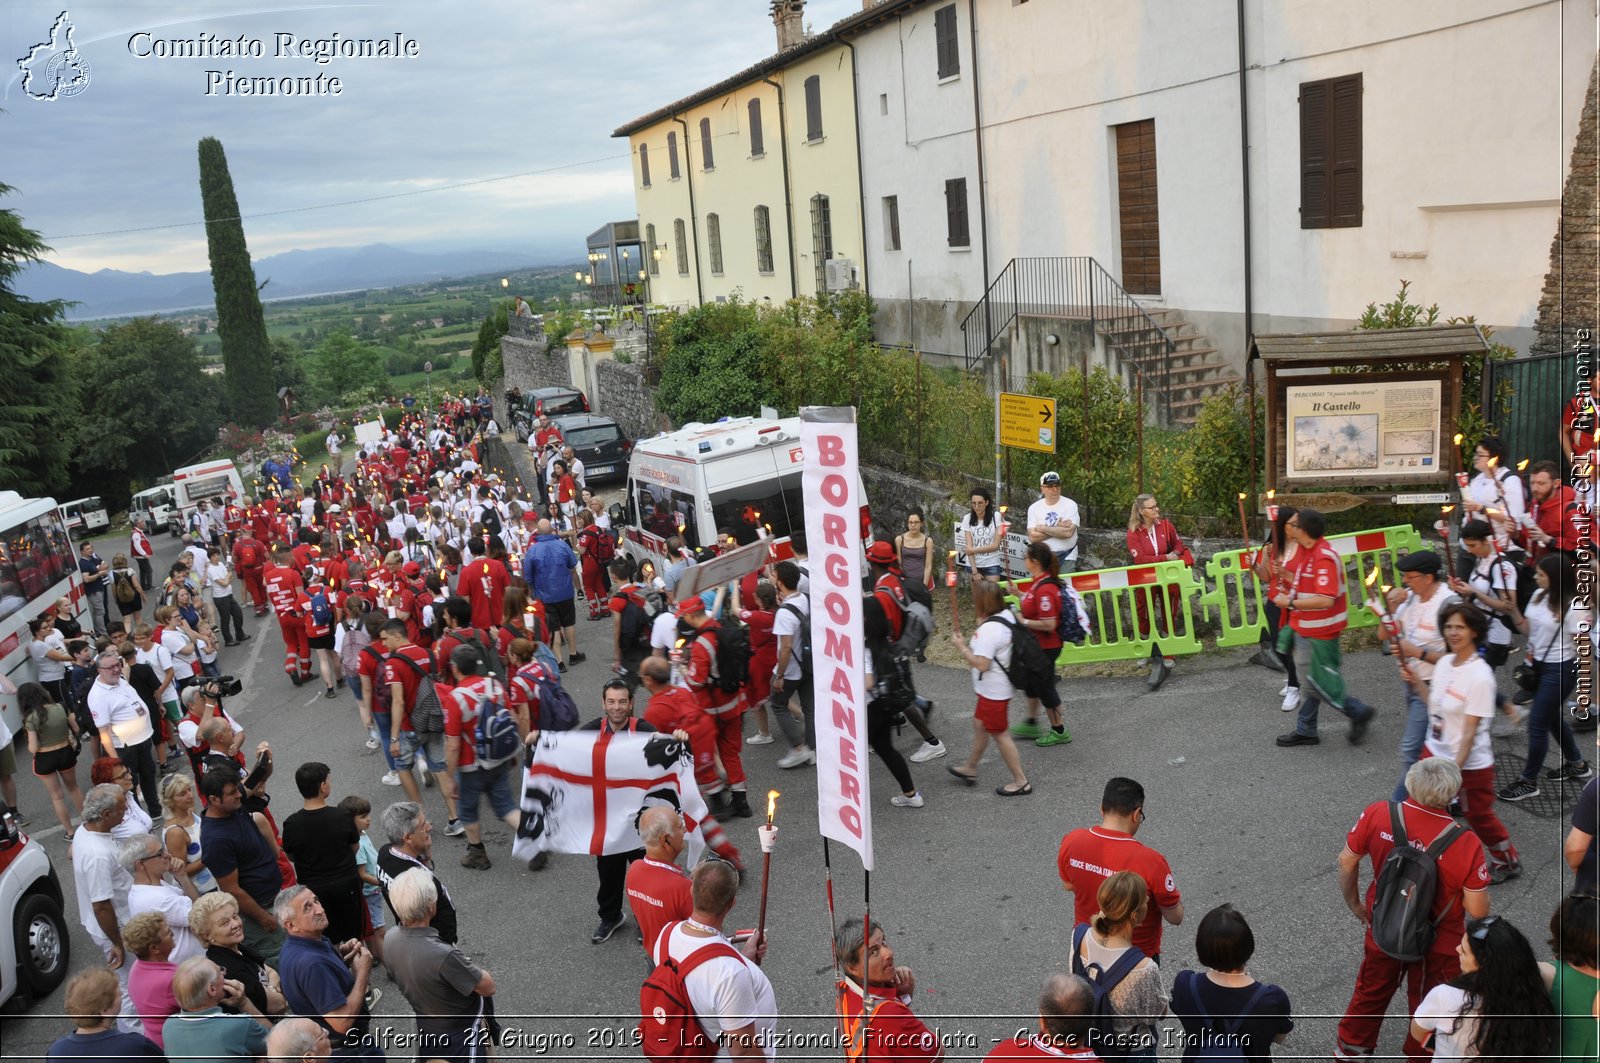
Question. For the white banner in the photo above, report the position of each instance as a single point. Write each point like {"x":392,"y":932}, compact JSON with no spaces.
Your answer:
{"x":832,"y":490}
{"x":583,"y":792}
{"x":369,"y":432}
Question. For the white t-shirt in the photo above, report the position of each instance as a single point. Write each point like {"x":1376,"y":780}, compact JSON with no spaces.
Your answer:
{"x":97,"y":875}
{"x":1493,"y":575}
{"x":664,"y":637}
{"x":992,"y":639}
{"x":189,"y":731}
{"x":1459,"y":691}
{"x":136,"y":822}
{"x":217,"y":572}
{"x":160,"y":659}
{"x":174,"y":905}
{"x":1419,"y":625}
{"x":308,"y":509}
{"x":198,"y":559}
{"x":1551,"y":643}
{"x":122,"y":709}
{"x":978,"y":536}
{"x":38,"y":649}
{"x":1502,"y":493}
{"x":784,"y":622}
{"x":727,"y":993}
{"x":1065,"y":509}
{"x":1441,"y":1012}
{"x":183,"y":658}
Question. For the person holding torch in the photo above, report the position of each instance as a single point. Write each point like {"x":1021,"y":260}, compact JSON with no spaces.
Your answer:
{"x":1415,"y":608}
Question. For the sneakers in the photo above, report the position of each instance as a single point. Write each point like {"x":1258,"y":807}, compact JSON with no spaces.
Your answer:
{"x":1503,"y":870}
{"x":1358,"y":729}
{"x":333,"y":692}
{"x":928,"y":751}
{"x":1053,"y":738}
{"x":796,"y":757}
{"x":1572,"y":769}
{"x":902,"y":801}
{"x":476,"y":859}
{"x":391,"y":778}
{"x":374,"y":994}
{"x":759,"y":739}
{"x":576,"y":658}
{"x":1520,"y":790}
{"x":454,"y":829}
{"x":1522,"y":697}
{"x":604,"y":931}
{"x":1291,"y":698}
{"x":1026,"y":729}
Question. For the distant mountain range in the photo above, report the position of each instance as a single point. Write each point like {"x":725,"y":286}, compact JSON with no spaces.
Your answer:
{"x":110,"y":292}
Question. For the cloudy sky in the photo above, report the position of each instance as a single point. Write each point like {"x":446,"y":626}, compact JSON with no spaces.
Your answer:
{"x":496,"y":135}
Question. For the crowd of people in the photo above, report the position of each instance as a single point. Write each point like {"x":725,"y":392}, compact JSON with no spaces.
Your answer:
{"x":433,"y":594}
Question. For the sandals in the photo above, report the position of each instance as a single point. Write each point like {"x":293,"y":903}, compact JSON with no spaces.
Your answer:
{"x":1022,"y":791}
{"x":966,"y":780}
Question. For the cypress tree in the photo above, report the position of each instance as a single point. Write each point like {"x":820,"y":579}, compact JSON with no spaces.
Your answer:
{"x":252,"y":401}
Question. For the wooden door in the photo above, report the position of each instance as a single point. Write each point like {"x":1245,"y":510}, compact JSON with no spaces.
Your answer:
{"x":1138,"y":216}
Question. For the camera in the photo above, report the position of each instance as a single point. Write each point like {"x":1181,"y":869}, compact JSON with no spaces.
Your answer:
{"x":222,"y":686}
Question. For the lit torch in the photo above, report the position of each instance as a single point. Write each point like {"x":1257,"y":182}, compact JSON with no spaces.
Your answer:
{"x":950,"y":581}
{"x":769,"y":838}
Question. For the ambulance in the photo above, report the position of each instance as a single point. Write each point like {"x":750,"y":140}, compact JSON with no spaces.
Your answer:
{"x":738,"y":478}
{"x":206,"y":481}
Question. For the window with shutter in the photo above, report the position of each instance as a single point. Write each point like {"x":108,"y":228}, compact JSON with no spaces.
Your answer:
{"x":891,"y":223}
{"x":644,"y":164}
{"x":714,"y":240}
{"x":1330,"y":153}
{"x":757,"y":148}
{"x":813,"y":107}
{"x":763,"y":240}
{"x":944,"y":37}
{"x":681,"y":241}
{"x":705,"y":144}
{"x":821,"y":239}
{"x":672,"y":155}
{"x":650,"y":250}
{"x":955,"y":209}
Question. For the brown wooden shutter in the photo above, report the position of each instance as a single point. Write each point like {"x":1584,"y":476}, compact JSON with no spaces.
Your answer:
{"x":893,"y":203}
{"x":1314,"y":155}
{"x":944,"y":36}
{"x":672,"y":154}
{"x":955,"y":208}
{"x":644,"y":164}
{"x":705,"y":144}
{"x":814,"y":107}
{"x":1344,"y":164}
{"x":757,"y":147}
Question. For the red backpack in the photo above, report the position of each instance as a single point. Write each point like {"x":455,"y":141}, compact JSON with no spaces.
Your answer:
{"x":669,"y":1031}
{"x":249,"y":555}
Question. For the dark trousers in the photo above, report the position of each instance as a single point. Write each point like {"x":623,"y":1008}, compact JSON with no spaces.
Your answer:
{"x":613,"y":870}
{"x":881,"y":738}
{"x":141,"y":762}
{"x":147,"y":575}
{"x":1547,"y":716}
{"x":1275,"y":619}
{"x":228,"y":609}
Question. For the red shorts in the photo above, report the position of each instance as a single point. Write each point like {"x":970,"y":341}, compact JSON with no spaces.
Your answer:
{"x":993,"y":714}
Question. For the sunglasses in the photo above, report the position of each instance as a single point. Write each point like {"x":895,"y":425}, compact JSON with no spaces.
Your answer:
{"x":1478,"y":929}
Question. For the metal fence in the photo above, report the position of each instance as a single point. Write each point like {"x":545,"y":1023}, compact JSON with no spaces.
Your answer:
{"x":1527,"y":411}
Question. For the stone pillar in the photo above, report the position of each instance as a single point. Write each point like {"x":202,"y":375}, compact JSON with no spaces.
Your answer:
{"x":1571,"y":298}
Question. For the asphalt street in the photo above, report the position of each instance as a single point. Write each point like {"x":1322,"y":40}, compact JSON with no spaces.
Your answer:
{"x":966,"y":887}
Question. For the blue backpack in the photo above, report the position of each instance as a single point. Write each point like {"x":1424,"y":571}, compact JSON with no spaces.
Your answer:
{"x":495,"y":738}
{"x":557,"y":710}
{"x":1103,"y":1037}
{"x":1218,"y":1039}
{"x":321,"y":609}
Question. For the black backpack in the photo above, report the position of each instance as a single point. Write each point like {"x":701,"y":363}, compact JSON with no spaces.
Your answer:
{"x":1407,"y":883}
{"x":471,"y":636}
{"x":802,"y":640}
{"x":634,"y":627}
{"x":1103,"y":1036}
{"x":1031,"y":670}
{"x":1218,"y":1038}
{"x":730,"y":664}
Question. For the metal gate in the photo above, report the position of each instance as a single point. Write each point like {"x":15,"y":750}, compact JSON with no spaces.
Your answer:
{"x":1529,"y":417}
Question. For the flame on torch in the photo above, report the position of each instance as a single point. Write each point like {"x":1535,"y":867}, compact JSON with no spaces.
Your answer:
{"x":772,"y":805}
{"x":1523,"y":464}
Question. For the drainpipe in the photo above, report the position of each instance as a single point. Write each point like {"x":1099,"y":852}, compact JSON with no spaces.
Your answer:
{"x":1249,"y":303}
{"x":861,"y":184}
{"x":977,"y":130}
{"x":788,"y":199}
{"x":694,"y":222}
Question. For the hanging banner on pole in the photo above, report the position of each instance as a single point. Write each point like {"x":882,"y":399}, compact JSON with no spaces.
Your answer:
{"x":832,"y":488}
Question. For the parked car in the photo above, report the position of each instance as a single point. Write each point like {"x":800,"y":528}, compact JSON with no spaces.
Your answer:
{"x":599,"y":442}
{"x":35,"y":947}
{"x":549,"y":402}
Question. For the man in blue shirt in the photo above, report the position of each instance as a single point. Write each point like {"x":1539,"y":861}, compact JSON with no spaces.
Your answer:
{"x":324,"y":982}
{"x":94,"y":572}
{"x":547,"y":568}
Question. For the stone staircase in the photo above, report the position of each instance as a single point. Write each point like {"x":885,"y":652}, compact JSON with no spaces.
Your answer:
{"x":1186,"y":373}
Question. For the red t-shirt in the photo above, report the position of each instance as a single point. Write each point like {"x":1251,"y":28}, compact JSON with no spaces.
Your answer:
{"x":676,"y":709}
{"x":895,"y":1032}
{"x":461,"y":714}
{"x":483,"y":583}
{"x":522,"y":691}
{"x":892,"y":596}
{"x":763,"y":644}
{"x":1090,"y":855}
{"x":305,"y":554}
{"x":698,"y":676}
{"x":407,"y":677}
{"x":658,"y":894}
{"x":1041,"y":601}
{"x":283,"y":587}
{"x":246,"y":548}
{"x":1032,"y":1048}
{"x":1461,"y":867}
{"x":369,"y":664}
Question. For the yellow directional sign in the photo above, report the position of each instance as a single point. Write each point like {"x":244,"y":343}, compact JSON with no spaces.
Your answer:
{"x":1027,"y":421}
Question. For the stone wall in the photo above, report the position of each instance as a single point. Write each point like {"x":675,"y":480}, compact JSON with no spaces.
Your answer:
{"x":1571,"y":298}
{"x":624,"y":397}
{"x":529,"y":364}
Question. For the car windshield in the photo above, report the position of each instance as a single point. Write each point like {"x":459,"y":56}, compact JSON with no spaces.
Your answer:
{"x":777,"y":506}
{"x":593,"y":437}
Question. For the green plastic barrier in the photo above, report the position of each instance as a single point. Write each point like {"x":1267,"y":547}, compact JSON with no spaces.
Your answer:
{"x":1112,"y":597}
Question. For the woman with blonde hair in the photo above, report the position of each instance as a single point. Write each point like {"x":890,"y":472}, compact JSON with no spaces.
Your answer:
{"x":215,"y":920}
{"x":1151,"y":540}
{"x":1103,"y":951}
{"x":152,"y":942}
{"x":182,"y":829}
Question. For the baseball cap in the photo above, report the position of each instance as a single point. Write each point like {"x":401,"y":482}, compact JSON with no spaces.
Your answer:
{"x":336,"y":508}
{"x":689,"y":607}
{"x":1050,"y":479}
{"x":881,"y":552}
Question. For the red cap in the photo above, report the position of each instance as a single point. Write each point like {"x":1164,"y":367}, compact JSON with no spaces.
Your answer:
{"x":689,"y":606}
{"x":411,"y":568}
{"x":881,"y":552}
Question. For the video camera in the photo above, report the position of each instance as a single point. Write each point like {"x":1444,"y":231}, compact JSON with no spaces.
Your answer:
{"x":222,"y":686}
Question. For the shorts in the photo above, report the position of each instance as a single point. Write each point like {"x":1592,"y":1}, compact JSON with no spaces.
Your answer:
{"x":494,"y":782}
{"x":374,"y":909}
{"x":173,"y":710}
{"x":8,"y":759}
{"x":321,"y":642}
{"x":987,"y":571}
{"x":561,"y":614}
{"x":993,"y":714}
{"x":46,"y":763}
{"x":431,"y":746}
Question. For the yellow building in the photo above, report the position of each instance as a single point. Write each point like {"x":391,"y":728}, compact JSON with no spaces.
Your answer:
{"x":752,"y":185}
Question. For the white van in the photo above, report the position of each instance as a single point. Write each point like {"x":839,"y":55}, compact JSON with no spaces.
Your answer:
{"x":159,"y":509}
{"x":736,"y":476}
{"x":85,"y":516}
{"x":206,"y":481}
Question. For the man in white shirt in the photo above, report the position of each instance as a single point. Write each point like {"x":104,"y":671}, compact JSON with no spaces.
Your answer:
{"x":574,"y":466}
{"x":1053,"y":520}
{"x":788,"y":677}
{"x":219,"y":580}
{"x":1415,"y":608}
{"x":102,"y":885}
{"x":730,"y":994}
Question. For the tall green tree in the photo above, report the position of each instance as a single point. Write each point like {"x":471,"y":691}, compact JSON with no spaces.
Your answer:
{"x":39,"y":401}
{"x":342,"y":365}
{"x":246,"y":356}
{"x":142,"y":383}
{"x":487,"y":364}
